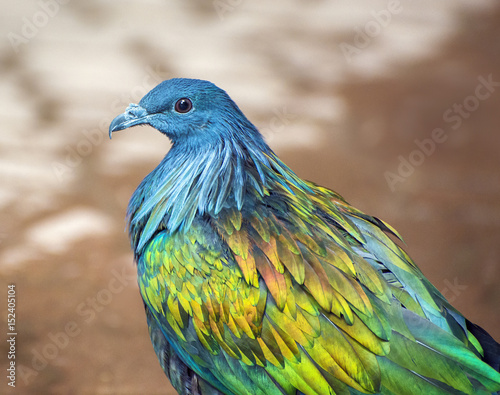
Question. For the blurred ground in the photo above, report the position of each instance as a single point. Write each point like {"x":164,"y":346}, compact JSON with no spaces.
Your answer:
{"x":341,"y":91}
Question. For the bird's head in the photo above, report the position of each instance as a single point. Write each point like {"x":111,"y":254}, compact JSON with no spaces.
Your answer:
{"x":190,"y":111}
{"x":218,"y":158}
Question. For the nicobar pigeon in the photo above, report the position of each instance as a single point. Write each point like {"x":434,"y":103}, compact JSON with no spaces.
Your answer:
{"x":255,"y":281}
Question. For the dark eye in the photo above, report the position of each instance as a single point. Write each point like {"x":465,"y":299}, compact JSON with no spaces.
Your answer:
{"x":183,"y":105}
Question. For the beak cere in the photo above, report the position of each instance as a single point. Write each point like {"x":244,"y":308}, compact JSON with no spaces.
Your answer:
{"x":133,"y":115}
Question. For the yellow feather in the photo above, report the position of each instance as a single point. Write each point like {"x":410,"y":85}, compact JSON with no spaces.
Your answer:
{"x":268,"y":353}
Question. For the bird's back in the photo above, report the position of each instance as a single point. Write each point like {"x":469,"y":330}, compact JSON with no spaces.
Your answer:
{"x":298,"y":291}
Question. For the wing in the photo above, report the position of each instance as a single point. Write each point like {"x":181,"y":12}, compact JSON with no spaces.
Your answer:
{"x":183,"y":378}
{"x":301,"y":292}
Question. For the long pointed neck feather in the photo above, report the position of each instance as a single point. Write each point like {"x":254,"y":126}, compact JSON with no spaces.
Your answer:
{"x":191,"y":182}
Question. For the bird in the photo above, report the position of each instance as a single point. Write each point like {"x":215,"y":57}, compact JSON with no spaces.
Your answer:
{"x":255,"y":281}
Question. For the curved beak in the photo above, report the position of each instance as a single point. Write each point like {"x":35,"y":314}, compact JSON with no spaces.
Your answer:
{"x":133,"y":115}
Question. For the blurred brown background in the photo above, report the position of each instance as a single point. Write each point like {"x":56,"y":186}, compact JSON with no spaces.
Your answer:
{"x":341,"y":91}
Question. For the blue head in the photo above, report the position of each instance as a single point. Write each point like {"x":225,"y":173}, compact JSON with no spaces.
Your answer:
{"x":192,"y":112}
{"x":218,"y":158}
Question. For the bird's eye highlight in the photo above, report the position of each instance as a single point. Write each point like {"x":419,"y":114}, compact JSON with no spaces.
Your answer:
{"x":183,"y":105}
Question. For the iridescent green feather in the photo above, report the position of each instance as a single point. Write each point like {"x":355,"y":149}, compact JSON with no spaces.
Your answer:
{"x":292,"y":306}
